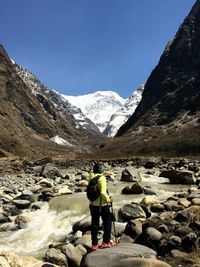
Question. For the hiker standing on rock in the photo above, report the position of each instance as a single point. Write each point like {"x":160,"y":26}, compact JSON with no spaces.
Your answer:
{"x":100,"y":202}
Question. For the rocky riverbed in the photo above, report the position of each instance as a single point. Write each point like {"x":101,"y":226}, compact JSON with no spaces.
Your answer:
{"x":145,"y":231}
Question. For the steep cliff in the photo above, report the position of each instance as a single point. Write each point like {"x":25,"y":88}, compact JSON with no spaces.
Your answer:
{"x":173,"y":88}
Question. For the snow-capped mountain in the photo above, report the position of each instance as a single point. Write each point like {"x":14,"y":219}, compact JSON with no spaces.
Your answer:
{"x":122,"y":115}
{"x":98,"y":106}
{"x":102,"y":111}
{"x":60,"y":103}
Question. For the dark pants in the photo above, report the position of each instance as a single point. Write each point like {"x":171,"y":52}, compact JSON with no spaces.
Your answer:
{"x":107,"y":223}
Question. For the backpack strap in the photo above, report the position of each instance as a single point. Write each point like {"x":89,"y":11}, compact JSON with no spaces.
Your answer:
{"x":97,"y":179}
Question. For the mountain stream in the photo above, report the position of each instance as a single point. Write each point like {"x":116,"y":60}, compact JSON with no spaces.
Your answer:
{"x":55,"y":219}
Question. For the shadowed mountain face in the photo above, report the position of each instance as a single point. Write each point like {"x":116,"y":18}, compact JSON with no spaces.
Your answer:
{"x":27,"y":123}
{"x":173,"y":88}
{"x":167,"y":120}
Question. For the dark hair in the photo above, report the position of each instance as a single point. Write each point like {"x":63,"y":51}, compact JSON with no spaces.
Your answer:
{"x":98,"y":168}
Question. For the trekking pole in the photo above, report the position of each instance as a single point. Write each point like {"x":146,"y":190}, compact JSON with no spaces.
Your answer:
{"x":113,"y":220}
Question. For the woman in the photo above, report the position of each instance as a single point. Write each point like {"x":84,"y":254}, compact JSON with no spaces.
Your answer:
{"x":101,"y":208}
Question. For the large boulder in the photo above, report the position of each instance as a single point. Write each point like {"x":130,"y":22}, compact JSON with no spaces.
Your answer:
{"x":8,"y":259}
{"x":133,"y":262}
{"x":122,"y":254}
{"x":131,"y":211}
{"x":134,"y":189}
{"x":133,"y":229}
{"x":74,"y":254}
{"x":179,"y":177}
{"x":50,"y":171}
{"x":83,"y":225}
{"x":128,"y":176}
{"x":56,"y":257}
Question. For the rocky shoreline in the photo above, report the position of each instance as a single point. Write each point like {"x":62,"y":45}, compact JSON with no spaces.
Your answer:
{"x":146,"y":232}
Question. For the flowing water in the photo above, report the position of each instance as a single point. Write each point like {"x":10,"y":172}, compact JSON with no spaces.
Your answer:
{"x":54,"y":221}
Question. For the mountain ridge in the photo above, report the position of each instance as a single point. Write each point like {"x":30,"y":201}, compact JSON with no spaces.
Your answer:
{"x":28,"y":121}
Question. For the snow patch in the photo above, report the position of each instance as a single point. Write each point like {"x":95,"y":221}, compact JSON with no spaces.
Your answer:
{"x":60,"y":141}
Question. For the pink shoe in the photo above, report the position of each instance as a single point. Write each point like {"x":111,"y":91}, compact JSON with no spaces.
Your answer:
{"x":94,"y":247}
{"x":106,"y":245}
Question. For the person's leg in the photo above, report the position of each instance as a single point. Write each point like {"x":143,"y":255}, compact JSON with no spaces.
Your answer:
{"x":107,"y":223}
{"x":94,"y":211}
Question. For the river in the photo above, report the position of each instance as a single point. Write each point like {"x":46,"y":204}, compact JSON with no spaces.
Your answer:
{"x":54,"y":221}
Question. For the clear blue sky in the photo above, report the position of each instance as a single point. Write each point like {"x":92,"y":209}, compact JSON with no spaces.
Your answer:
{"x":80,"y":46}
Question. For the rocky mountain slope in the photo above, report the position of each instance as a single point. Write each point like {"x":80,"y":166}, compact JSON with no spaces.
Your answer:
{"x":60,"y":103}
{"x":98,"y":106}
{"x":168,"y":116}
{"x":173,"y":86}
{"x":122,"y":115}
{"x":28,"y":122}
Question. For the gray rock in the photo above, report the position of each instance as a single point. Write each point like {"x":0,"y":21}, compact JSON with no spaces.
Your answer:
{"x":133,"y":229}
{"x":22,"y":204}
{"x":179,"y":254}
{"x":179,"y":177}
{"x":116,"y":256}
{"x":74,"y":254}
{"x":125,"y":239}
{"x":134,"y":189}
{"x":83,"y":225}
{"x":157,"y":207}
{"x":126,"y":176}
{"x":49,"y":170}
{"x":153,"y":234}
{"x":174,"y":242}
{"x":84,"y":240}
{"x":131,"y":211}
{"x":138,"y":262}
{"x":196,"y":201}
{"x":183,"y":231}
{"x":56,"y":257}
{"x":189,"y":242}
{"x":4,"y":218}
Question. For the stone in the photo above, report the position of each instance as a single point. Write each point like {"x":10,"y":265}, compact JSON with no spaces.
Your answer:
{"x":195,"y":201}
{"x":21,"y":204}
{"x":179,"y":254}
{"x":4,"y":218}
{"x":189,"y":242}
{"x":149,"y":200}
{"x":56,"y":257}
{"x":131,"y":211}
{"x":126,"y":176}
{"x":183,"y":231}
{"x":153,"y":234}
{"x":184,"y":202}
{"x":150,"y":165}
{"x":133,"y":229}
{"x":46,"y":182}
{"x":74,"y":254}
{"x":134,"y":189}
{"x":9,"y":259}
{"x":137,"y":188}
{"x":179,"y":177}
{"x":64,"y":190}
{"x":133,"y":262}
{"x":49,"y":170}
{"x":83,"y":225}
{"x":148,"y":191}
{"x":84,"y":240}
{"x":118,"y":255}
{"x":83,"y":183}
{"x":174,"y":242}
{"x":22,"y":221}
{"x":157,"y":207}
